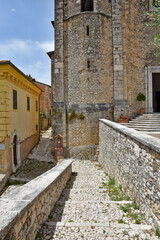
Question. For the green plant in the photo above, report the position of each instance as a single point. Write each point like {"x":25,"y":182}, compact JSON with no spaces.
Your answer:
{"x":38,"y":236}
{"x":135,"y":206}
{"x":73,"y":115}
{"x":157,"y":232}
{"x":141,"y":97}
{"x":125,"y":208}
{"x":42,"y":114}
{"x":57,"y":112}
{"x":70,"y":220}
{"x":111,"y":181}
{"x":121,"y":221}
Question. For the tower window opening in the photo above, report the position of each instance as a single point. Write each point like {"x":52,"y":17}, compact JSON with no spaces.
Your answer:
{"x":87,"y":30}
{"x":86,"y":5}
{"x":88,"y":64}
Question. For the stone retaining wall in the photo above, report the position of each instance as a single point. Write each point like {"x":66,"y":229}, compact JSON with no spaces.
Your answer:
{"x":133,"y":159}
{"x":25,"y":209}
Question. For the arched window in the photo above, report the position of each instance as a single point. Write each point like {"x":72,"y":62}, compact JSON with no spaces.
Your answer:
{"x":86,"y":5}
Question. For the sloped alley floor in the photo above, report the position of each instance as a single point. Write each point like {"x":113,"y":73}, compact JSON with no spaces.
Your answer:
{"x":37,"y":162}
{"x":85,"y":210}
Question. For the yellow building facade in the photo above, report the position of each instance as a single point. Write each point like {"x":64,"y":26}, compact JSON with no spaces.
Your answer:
{"x":19,"y":116}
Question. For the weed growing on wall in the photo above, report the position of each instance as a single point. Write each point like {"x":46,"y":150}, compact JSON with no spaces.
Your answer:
{"x":57,"y":112}
{"x":73,"y":115}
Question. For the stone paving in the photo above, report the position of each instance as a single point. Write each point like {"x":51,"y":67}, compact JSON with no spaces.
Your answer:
{"x":86,"y":211}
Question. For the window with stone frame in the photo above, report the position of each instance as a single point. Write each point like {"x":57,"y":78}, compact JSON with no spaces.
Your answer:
{"x":14,"y":99}
{"x":28,"y":103}
{"x":87,"y":5}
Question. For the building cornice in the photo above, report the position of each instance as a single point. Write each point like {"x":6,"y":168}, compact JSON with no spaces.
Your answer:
{"x":15,"y":77}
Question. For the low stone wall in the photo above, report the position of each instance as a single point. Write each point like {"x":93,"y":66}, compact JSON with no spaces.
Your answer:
{"x":25,"y":209}
{"x":133,"y":159}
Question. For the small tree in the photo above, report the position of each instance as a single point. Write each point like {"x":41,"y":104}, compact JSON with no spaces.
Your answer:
{"x":29,"y":76}
{"x":141,"y":97}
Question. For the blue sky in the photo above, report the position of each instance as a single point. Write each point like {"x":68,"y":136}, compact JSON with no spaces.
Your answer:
{"x":26,"y":34}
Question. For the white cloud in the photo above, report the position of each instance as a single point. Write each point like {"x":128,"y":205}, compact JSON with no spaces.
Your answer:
{"x":40,"y":71}
{"x":14,"y":46}
{"x":13,"y":10}
{"x":27,"y":48}
{"x":46,"y":46}
{"x":29,"y":56}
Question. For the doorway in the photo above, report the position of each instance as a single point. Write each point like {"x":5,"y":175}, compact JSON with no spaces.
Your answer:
{"x":15,"y":151}
{"x":156,"y":91}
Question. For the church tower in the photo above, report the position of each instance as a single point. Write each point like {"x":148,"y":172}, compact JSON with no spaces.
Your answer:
{"x":83,"y":72}
{"x":97,"y":73}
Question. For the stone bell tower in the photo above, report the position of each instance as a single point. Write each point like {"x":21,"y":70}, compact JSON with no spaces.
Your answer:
{"x":88,"y":71}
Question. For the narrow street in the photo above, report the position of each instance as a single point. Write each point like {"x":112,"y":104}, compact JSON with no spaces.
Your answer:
{"x":38,"y":161}
{"x":86,"y":210}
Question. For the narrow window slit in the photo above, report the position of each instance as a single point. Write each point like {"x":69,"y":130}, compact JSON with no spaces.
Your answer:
{"x":87,"y":30}
{"x":88,"y":64}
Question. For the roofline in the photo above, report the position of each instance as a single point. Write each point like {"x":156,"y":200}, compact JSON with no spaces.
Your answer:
{"x":18,"y":70}
{"x":50,"y":53}
{"x":43,"y":84}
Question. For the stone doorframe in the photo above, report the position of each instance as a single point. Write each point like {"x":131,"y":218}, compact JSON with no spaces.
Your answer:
{"x":149,"y":87}
{"x":15,"y":133}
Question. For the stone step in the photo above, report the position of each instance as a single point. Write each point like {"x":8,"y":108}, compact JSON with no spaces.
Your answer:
{"x":141,"y":227}
{"x":144,"y":127}
{"x":95,"y":231}
{"x":84,"y":211}
{"x":84,"y":195}
{"x":83,"y":184}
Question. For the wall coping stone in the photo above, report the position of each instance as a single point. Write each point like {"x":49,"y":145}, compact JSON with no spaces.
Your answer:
{"x":149,"y":141}
{"x":15,"y":203}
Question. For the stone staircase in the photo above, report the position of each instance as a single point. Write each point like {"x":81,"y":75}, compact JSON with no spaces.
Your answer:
{"x":145,"y":123}
{"x":85,"y":211}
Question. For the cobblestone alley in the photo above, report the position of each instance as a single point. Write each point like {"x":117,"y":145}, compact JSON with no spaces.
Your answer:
{"x":86,"y":210}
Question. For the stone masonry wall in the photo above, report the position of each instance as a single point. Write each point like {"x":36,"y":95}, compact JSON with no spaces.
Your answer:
{"x":84,"y":132}
{"x":138,"y":49}
{"x":133,"y":159}
{"x":73,"y":7}
{"x":25,"y":209}
{"x":91,"y":84}
{"x":88,"y":89}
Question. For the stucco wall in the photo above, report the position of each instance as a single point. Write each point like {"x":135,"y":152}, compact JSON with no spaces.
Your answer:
{"x":133,"y":159}
{"x":22,"y":120}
